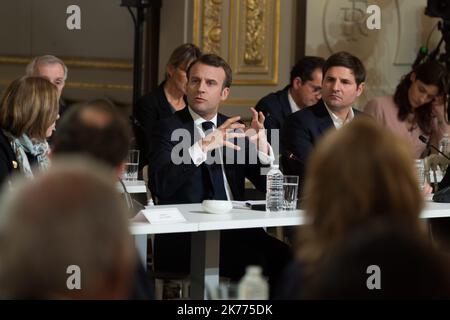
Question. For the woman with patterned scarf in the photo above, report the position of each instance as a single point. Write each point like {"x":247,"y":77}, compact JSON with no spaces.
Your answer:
{"x":28,"y":111}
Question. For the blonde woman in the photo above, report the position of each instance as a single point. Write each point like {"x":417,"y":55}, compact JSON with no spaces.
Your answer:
{"x":28,"y":111}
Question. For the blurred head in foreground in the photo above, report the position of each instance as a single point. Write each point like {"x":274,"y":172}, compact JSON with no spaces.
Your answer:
{"x":95,"y":129}
{"x":357,"y":174}
{"x":65,"y":235}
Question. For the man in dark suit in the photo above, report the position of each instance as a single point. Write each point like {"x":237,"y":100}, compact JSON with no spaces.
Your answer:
{"x":303,"y":91}
{"x":343,"y":82}
{"x":200,"y":154}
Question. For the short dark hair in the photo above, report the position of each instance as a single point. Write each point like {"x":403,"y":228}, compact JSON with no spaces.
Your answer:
{"x":96,"y":129}
{"x":214,"y":60}
{"x":347,"y":60}
{"x":305,"y":67}
{"x":184,"y":53}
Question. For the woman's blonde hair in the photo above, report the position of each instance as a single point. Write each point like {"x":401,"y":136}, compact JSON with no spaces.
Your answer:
{"x":357,"y":174}
{"x":29,"y":105}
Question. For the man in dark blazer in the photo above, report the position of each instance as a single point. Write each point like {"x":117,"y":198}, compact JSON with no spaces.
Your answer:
{"x":200,"y":154}
{"x":302,"y":91}
{"x":343,"y":82}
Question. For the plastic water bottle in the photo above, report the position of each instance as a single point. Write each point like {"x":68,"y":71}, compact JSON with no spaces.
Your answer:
{"x":274,"y":194}
{"x":253,"y":286}
{"x":444,"y":144}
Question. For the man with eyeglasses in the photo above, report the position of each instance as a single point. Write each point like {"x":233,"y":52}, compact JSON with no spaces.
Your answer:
{"x":303,"y":91}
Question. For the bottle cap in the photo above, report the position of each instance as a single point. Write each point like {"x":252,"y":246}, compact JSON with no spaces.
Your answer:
{"x":254,"y":270}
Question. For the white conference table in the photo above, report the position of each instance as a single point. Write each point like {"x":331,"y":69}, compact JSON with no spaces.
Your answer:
{"x":205,"y":232}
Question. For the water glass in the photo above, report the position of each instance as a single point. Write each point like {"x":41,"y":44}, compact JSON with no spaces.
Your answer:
{"x":290,"y":188}
{"x":419,"y":165}
{"x":132,"y":163}
{"x":225,"y":291}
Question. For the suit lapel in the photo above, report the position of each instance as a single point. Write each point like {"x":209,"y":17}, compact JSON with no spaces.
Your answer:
{"x":188,"y":124}
{"x":285,"y":105}
{"x":324,"y":118}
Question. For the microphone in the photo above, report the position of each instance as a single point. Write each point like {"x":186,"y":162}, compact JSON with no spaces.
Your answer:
{"x":427,"y":142}
{"x":291,"y":156}
{"x":136,"y":123}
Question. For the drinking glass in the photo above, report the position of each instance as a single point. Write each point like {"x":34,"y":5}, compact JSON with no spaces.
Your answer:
{"x":290,"y":187}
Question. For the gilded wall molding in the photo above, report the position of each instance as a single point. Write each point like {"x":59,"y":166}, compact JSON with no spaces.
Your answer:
{"x":254,"y":32}
{"x":254,"y":41}
{"x":241,"y":102}
{"x":74,"y":62}
{"x":212,"y":26}
{"x":85,"y":85}
{"x":251,"y":33}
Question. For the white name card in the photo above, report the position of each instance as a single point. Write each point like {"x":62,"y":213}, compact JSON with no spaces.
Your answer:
{"x":166,"y":215}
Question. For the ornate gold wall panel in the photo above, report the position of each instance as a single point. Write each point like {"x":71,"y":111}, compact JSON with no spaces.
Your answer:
{"x":75,"y":62}
{"x":208,"y":25}
{"x":252,"y":44}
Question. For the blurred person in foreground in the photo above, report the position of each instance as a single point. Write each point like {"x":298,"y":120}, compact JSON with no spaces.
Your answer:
{"x":67,"y":219}
{"x":383,"y":261}
{"x":98,"y":130}
{"x":372,"y":179}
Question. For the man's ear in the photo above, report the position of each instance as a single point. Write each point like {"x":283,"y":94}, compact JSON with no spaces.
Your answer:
{"x":297,"y":83}
{"x":360,"y":89}
{"x":412,"y":77}
{"x":225,"y":93}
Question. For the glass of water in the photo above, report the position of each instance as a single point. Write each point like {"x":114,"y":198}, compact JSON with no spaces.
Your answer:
{"x":419,"y":165}
{"x":290,"y":186}
{"x":131,"y":173}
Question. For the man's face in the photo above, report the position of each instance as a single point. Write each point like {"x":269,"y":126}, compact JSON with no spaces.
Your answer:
{"x":339,"y":89}
{"x":204,"y":89}
{"x":307,"y":93}
{"x":54,"y":73}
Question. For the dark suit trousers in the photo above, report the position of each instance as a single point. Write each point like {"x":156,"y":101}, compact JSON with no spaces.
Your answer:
{"x":238,"y":249}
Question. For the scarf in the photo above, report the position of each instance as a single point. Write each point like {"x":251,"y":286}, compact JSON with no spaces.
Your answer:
{"x":23,"y":145}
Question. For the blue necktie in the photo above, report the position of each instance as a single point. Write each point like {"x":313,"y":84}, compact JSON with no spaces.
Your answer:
{"x":215,"y":169}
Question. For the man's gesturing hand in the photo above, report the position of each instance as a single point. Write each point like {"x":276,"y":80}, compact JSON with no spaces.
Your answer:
{"x":219,"y":137}
{"x":257,"y":133}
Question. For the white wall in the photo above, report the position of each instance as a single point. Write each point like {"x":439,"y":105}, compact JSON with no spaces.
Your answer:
{"x":387,"y":53}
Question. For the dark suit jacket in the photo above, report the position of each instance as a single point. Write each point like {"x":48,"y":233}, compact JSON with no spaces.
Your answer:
{"x":276,"y":108}
{"x":300,"y":134}
{"x":186,"y":183}
{"x":7,"y":157}
{"x":149,"y":109}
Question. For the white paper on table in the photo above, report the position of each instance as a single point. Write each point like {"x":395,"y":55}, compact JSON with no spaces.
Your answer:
{"x":161,"y":216}
{"x":246,"y":204}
